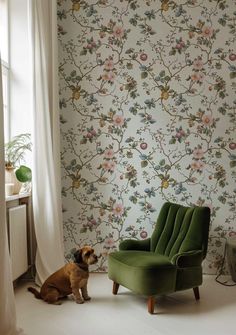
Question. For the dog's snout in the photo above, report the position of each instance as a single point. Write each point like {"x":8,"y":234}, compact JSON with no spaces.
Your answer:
{"x":95,"y":258}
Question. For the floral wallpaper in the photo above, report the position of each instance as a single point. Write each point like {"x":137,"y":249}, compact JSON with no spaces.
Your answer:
{"x":148,"y":109}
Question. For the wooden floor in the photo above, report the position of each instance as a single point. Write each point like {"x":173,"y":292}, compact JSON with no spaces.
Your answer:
{"x":126,"y":313}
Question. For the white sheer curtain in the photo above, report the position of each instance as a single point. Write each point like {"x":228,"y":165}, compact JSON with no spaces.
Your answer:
{"x":7,"y":303}
{"x":46,"y":188}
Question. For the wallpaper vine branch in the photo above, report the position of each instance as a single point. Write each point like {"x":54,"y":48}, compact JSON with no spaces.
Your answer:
{"x":148,"y":108}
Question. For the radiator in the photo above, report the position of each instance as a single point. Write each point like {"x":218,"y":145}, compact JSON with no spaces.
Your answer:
{"x":18,"y":240}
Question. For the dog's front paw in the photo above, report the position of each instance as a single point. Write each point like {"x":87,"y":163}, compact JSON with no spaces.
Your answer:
{"x":79,"y":301}
{"x":87,"y":298}
{"x":58,"y":302}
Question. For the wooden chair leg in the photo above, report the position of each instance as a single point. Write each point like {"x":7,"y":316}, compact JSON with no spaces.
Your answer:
{"x":115,"y":288}
{"x":196,"y":293}
{"x":151,"y":304}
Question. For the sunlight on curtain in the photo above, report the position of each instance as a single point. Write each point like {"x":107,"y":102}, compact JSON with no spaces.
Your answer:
{"x":7,"y":304}
{"x":46,"y":163}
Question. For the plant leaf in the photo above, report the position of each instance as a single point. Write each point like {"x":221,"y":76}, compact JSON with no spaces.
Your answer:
{"x":23,"y":174}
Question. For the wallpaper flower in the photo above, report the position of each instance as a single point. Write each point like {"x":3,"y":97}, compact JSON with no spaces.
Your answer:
{"x":148,"y":108}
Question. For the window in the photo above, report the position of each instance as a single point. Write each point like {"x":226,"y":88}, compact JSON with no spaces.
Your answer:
{"x":16,"y":72}
{"x":5,"y":81}
{"x":4,"y":30}
{"x":4,"y":47}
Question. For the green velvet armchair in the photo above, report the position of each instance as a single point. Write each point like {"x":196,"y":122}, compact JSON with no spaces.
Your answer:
{"x":169,"y":261}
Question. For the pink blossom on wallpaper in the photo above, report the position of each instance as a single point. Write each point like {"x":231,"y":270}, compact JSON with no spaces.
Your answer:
{"x":180,"y":133}
{"x":102,"y":34}
{"x":194,"y":165}
{"x":118,"y":120}
{"x":108,"y":64}
{"x":232,"y":57}
{"x":197,"y":76}
{"x":197,"y":165}
{"x":143,"y":145}
{"x":118,"y":210}
{"x":232,"y":145}
{"x":198,"y":153}
{"x":118,"y":31}
{"x":198,"y":64}
{"x":109,"y":166}
{"x":91,"y":223}
{"x":207,"y":119}
{"x":109,"y":76}
{"x":109,"y":153}
{"x":143,"y":234}
{"x":109,"y":242}
{"x":143,"y":56}
{"x":91,"y":133}
{"x":207,"y":31}
{"x":180,"y":44}
{"x":91,"y":45}
{"x":232,"y":233}
{"x":106,"y":165}
{"x":105,"y":76}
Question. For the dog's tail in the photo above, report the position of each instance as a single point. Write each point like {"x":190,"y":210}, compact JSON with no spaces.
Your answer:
{"x":35,"y":292}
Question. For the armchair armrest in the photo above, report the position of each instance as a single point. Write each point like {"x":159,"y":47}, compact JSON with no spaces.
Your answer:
{"x":142,"y":245}
{"x":188,"y":259}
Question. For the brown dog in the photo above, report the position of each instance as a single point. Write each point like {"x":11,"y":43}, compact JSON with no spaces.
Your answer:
{"x":70,"y":279}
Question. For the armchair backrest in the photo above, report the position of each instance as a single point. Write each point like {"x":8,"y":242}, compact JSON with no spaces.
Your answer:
{"x":181,"y":229}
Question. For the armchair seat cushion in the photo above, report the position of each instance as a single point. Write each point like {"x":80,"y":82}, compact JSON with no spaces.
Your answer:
{"x":143,"y":272}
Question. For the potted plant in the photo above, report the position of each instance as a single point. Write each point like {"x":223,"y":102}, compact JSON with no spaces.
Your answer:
{"x":14,"y":154}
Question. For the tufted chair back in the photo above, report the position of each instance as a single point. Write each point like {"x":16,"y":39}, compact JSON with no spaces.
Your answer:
{"x":180,"y":229}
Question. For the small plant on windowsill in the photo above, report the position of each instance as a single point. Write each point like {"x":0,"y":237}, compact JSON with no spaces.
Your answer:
{"x":15,"y":151}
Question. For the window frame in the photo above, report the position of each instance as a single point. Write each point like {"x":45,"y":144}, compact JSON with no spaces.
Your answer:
{"x":6,"y":83}
{"x":6,"y":99}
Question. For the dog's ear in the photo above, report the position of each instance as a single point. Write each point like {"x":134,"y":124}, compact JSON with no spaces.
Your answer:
{"x":78,"y":256}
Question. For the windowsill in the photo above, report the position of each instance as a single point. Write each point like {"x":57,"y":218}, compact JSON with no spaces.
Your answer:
{"x":17,"y":196}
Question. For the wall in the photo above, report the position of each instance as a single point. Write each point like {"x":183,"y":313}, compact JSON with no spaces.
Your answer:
{"x":147,"y":98}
